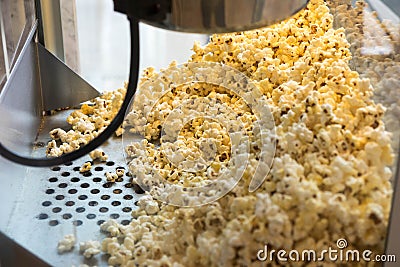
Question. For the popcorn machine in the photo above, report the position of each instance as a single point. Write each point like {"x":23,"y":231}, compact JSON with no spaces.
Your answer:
{"x":327,"y":70}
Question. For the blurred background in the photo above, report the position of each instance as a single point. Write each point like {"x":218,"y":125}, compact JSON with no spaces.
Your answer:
{"x":103,"y":41}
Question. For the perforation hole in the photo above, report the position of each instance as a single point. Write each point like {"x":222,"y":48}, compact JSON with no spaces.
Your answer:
{"x":87,"y":174}
{"x":53,"y":179}
{"x":103,"y":209}
{"x":98,"y":169}
{"x":85,"y":185}
{"x":42,"y":216}
{"x":115,"y":203}
{"x":56,"y":209}
{"x":80,"y":209}
{"x":107,"y":185}
{"x":105,"y":197}
{"x":53,"y":222}
{"x":125,"y":222}
{"x":95,"y":191}
{"x":77,"y":223}
{"x":75,"y":179}
{"x":46,"y":203}
{"x":72,"y":191}
{"x":60,"y":197}
{"x":110,"y":163}
{"x":99,"y":222}
{"x":93,"y":203}
{"x":50,"y":191}
{"x":91,"y":216}
{"x":82,"y":197}
{"x":127,"y":209}
{"x":65,"y":174}
{"x":117,"y":191}
{"x":62,"y":185}
{"x":67,"y":216}
{"x":128,"y":197}
{"x":97,"y":179}
{"x":69,"y":203}
{"x":56,"y":168}
{"x":114,"y":216}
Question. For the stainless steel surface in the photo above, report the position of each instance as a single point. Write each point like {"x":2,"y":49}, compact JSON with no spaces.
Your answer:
{"x":52,"y":27}
{"x":49,"y":203}
{"x":20,"y":102}
{"x":61,"y":86}
{"x":38,"y":82}
{"x":3,"y":55}
{"x":211,"y":16}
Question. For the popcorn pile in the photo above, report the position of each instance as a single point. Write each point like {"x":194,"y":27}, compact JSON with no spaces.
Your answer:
{"x":202,"y":145}
{"x":87,"y":123}
{"x":330,"y":178}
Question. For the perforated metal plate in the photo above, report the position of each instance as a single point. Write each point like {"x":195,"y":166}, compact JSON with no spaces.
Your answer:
{"x":57,"y":201}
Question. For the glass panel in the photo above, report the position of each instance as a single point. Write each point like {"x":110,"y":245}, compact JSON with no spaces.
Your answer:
{"x":373,"y":30}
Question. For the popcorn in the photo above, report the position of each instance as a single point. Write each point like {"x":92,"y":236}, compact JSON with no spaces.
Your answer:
{"x":66,"y":244}
{"x":89,"y":248}
{"x":87,"y":123}
{"x":111,"y":177}
{"x":120,"y":172}
{"x":98,"y":154}
{"x":57,"y":134}
{"x":112,"y":227}
{"x":87,"y":166}
{"x":331,"y":173}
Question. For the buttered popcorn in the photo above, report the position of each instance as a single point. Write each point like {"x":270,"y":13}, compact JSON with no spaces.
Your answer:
{"x":330,"y":177}
{"x":87,"y":123}
{"x":87,"y":166}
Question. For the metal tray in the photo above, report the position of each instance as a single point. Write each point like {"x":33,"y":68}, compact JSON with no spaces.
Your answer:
{"x":41,"y":205}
